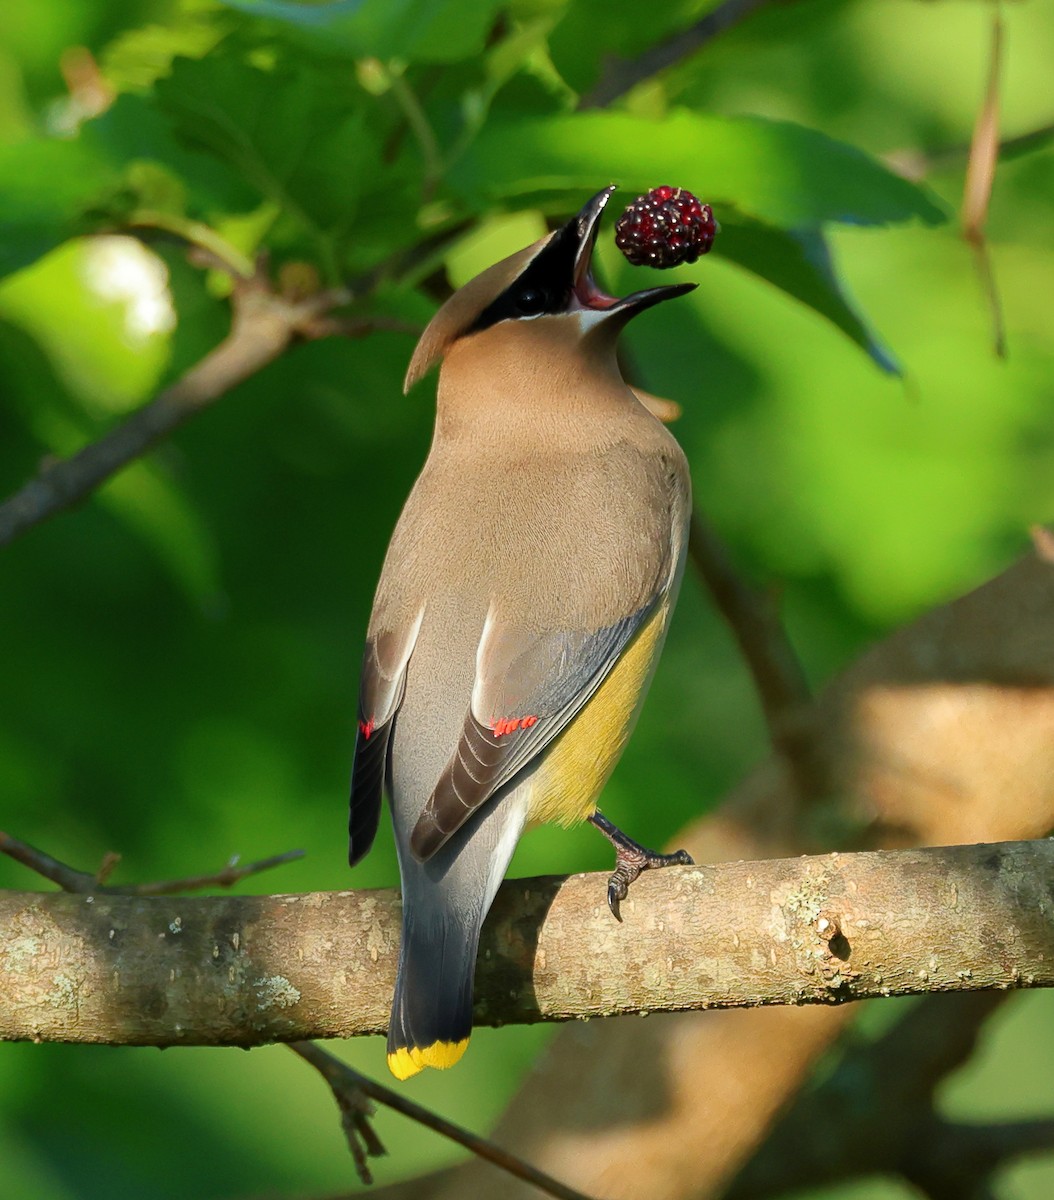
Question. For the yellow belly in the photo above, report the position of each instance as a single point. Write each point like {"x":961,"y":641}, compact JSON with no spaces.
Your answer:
{"x":567,"y":784}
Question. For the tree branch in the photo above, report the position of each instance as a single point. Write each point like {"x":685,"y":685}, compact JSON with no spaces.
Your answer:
{"x":767,"y":651}
{"x":895,"y":1075}
{"x":140,"y":970}
{"x":621,"y":75}
{"x":71,"y":880}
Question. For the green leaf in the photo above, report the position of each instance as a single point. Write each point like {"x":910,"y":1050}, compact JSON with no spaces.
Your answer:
{"x":52,"y":189}
{"x":799,"y":263}
{"x":312,"y":153}
{"x":410,"y":30}
{"x":305,"y":16}
{"x":773,"y":171}
{"x":135,"y":130}
{"x":138,"y":57}
{"x":44,"y":185}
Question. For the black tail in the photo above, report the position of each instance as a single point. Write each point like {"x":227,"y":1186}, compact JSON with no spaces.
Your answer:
{"x":432,"y":1009}
{"x":444,"y":902}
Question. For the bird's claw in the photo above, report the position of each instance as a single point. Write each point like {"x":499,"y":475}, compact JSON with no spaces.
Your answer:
{"x":628,"y":866}
{"x":630,"y":859}
{"x":618,"y":888}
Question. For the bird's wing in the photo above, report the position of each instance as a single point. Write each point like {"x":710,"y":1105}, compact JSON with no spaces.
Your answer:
{"x":528,"y":687}
{"x":380,"y":694}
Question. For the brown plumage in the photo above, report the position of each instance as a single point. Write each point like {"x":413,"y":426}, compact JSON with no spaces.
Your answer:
{"x":520,"y":610}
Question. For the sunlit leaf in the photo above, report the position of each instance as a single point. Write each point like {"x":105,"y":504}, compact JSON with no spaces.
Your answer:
{"x":799,"y":263}
{"x":109,"y":347}
{"x":135,"y":59}
{"x":773,"y":171}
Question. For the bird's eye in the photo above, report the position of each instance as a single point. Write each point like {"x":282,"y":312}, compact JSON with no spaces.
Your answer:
{"x":530,"y":302}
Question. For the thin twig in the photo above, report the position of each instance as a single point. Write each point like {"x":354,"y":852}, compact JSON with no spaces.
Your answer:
{"x":220,"y":251}
{"x":982,"y":253}
{"x":263,"y":326}
{"x":417,"y":119}
{"x":353,"y":1102}
{"x":348,"y":1087}
{"x":916,"y":164}
{"x":770,"y":657}
{"x":69,"y":879}
{"x":72,"y":880}
{"x":620,"y":76}
{"x":977,"y":188}
{"x":226,"y":877}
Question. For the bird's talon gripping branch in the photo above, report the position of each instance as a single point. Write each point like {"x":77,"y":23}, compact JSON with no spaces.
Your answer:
{"x":630,"y":859}
{"x":618,"y":889}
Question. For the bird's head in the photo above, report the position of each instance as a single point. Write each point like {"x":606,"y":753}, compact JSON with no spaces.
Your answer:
{"x":550,"y":282}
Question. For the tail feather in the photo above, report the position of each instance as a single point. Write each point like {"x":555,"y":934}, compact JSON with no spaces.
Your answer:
{"x":444,"y":902}
{"x":432,"y":1010}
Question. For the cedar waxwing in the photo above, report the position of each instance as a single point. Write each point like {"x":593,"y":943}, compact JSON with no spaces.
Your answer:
{"x":520,"y":611}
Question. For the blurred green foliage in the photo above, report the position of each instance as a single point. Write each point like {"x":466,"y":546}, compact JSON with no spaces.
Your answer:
{"x":180,"y":653}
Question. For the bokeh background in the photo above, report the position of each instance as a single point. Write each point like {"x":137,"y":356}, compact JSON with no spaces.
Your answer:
{"x":180,"y":654}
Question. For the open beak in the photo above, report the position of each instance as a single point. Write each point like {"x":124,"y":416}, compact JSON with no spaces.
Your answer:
{"x":587,"y":297}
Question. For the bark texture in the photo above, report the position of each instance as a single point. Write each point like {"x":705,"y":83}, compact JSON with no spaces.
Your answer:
{"x":220,"y":970}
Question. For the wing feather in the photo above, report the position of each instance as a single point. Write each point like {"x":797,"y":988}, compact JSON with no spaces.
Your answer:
{"x":380,"y":695}
{"x":528,"y":688}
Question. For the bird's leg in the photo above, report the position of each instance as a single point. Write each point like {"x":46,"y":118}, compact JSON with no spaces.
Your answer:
{"x":630,"y":859}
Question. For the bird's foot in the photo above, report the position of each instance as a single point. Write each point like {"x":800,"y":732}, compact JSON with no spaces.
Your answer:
{"x":630,"y":859}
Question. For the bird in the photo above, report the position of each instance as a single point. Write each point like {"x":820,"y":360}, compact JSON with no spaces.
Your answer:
{"x":520,"y":610}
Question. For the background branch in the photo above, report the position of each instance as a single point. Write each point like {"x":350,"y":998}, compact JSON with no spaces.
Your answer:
{"x":244,"y":970}
{"x":622,"y":75}
{"x":774,"y":667}
{"x":72,"y":880}
{"x":263,"y":326}
{"x":216,"y":250}
{"x":351,"y":1090}
{"x":895,"y":1075}
{"x":980,"y":178}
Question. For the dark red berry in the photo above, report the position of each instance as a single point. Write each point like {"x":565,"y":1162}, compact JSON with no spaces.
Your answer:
{"x":664,"y":228}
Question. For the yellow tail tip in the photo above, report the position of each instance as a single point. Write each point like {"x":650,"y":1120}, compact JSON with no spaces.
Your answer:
{"x":408,"y":1060}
